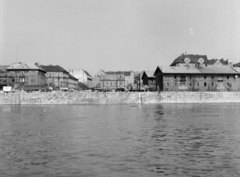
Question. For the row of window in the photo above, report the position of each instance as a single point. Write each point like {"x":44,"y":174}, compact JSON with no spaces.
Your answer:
{"x":190,"y":77}
{"x":197,"y":84}
{"x":22,"y":72}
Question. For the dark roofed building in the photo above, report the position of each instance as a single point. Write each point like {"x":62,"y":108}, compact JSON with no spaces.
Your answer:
{"x":57,"y":76}
{"x":53,"y":68}
{"x":190,"y":58}
{"x":149,"y":80}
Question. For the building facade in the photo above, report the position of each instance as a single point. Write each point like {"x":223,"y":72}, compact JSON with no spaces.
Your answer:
{"x":72,"y":82}
{"x":120,"y":79}
{"x":21,"y":74}
{"x":198,"y":75}
{"x":149,"y":81}
{"x":82,"y":76}
{"x":3,"y":76}
{"x":56,"y":76}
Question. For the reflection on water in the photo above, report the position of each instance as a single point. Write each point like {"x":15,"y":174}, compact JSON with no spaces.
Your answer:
{"x":120,"y":140}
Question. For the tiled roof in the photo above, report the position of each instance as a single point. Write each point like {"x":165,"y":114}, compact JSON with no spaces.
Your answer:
{"x":217,"y":69}
{"x":52,"y":68}
{"x":179,"y":69}
{"x":210,"y":69}
{"x":193,"y":59}
{"x":72,"y":77}
{"x":3,"y":68}
{"x":237,"y":69}
{"x":213,"y":61}
{"x":87,"y":74}
{"x":112,"y":77}
{"x":237,"y":65}
{"x":148,"y":73}
{"x":20,"y":66}
{"x":126,"y":73}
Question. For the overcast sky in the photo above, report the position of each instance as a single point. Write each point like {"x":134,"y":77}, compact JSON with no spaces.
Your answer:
{"x":117,"y":34}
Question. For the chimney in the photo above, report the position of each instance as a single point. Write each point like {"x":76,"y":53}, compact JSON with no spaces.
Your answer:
{"x":230,"y":62}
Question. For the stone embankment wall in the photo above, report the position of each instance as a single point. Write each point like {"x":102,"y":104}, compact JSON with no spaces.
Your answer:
{"x":117,"y":97}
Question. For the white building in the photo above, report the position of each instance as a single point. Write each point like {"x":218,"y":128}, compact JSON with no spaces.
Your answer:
{"x":82,"y":76}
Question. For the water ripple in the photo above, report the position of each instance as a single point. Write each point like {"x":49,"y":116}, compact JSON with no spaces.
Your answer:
{"x":120,"y":140}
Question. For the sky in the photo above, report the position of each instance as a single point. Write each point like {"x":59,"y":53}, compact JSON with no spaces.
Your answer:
{"x":117,"y":35}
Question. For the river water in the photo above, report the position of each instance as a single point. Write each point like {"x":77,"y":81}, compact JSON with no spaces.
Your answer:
{"x":120,"y":140}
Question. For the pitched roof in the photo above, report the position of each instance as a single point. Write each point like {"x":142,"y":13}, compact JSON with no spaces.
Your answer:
{"x":213,"y":61}
{"x":217,"y":69}
{"x":193,"y":59}
{"x":99,"y":73}
{"x":237,"y":69}
{"x":87,"y":74}
{"x":53,"y":68}
{"x":126,"y":73}
{"x":148,"y":73}
{"x":20,"y":66}
{"x":210,"y":69}
{"x":3,"y":68}
{"x":179,"y":70}
{"x":72,"y":77}
{"x":236,"y":65}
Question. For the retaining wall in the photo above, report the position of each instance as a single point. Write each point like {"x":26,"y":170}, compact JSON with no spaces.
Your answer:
{"x":117,"y":97}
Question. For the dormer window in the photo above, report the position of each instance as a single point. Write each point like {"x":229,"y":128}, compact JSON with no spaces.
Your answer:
{"x":200,"y":60}
{"x":187,"y":60}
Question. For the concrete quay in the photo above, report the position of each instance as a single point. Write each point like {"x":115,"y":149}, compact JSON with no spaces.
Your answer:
{"x":117,"y":97}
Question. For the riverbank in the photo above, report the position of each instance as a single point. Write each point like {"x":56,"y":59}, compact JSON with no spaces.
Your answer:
{"x":117,"y":97}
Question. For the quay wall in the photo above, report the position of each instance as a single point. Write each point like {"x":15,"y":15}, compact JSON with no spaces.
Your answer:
{"x":117,"y":97}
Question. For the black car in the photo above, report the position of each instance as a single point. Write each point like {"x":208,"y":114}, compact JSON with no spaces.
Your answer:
{"x":120,"y":90}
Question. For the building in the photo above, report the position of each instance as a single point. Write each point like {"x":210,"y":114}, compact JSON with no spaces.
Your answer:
{"x":3,"y":75}
{"x":96,"y":79}
{"x":193,"y":60}
{"x":197,"y":75}
{"x":236,"y":65}
{"x":56,"y":76}
{"x":82,"y":76}
{"x":138,"y":82}
{"x":148,"y":80}
{"x":120,"y":79}
{"x":21,"y":75}
{"x":72,"y":82}
{"x":59,"y":78}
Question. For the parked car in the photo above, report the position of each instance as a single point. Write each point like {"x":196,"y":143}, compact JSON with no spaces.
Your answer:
{"x":120,"y":89}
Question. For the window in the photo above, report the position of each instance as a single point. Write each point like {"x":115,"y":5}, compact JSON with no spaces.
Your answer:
{"x":212,"y":77}
{"x":167,"y":83}
{"x":212,"y":84}
{"x":205,"y":77}
{"x":175,"y":77}
{"x":190,"y":77}
{"x":205,"y":84}
{"x":227,"y":77}
{"x":21,"y":79}
{"x":190,"y":84}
